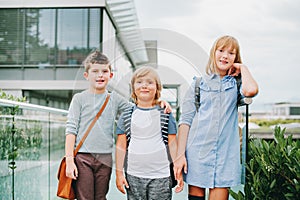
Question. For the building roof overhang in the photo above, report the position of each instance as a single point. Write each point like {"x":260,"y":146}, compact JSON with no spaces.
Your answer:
{"x":124,"y":16}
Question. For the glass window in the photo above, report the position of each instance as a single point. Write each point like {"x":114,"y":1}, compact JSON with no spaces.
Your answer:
{"x":11,"y":36}
{"x":94,"y":32}
{"x":40,"y":37}
{"x":72,"y":36}
{"x":48,"y":36}
{"x":294,"y":110}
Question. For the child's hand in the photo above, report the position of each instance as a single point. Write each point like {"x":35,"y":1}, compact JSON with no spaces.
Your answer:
{"x":180,"y":184}
{"x":71,"y":169}
{"x":235,"y":69}
{"x":121,"y":182}
{"x":166,"y":105}
{"x":179,"y":165}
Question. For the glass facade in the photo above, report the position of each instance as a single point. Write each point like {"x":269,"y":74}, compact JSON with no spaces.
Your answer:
{"x":46,"y":37}
{"x":51,"y":43}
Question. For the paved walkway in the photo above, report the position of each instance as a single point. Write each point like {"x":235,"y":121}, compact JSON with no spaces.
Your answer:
{"x":36,"y":173}
{"x":115,"y":194}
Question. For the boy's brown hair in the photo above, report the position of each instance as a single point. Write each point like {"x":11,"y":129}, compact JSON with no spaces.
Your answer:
{"x":95,"y":57}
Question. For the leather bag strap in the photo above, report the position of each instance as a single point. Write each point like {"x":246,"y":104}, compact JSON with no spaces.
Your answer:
{"x":92,"y":124}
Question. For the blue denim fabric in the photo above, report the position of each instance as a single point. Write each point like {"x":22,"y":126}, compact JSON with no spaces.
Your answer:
{"x":213,"y":146}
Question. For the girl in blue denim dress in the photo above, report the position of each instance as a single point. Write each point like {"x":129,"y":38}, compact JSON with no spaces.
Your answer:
{"x":208,"y":138}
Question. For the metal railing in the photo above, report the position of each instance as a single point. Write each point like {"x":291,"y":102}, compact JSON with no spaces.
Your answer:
{"x":31,"y":145}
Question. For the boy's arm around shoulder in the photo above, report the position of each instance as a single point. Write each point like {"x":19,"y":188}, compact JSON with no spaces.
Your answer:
{"x":122,"y":103}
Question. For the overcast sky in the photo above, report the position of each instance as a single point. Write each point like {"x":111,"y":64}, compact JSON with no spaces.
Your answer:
{"x":268,"y":32}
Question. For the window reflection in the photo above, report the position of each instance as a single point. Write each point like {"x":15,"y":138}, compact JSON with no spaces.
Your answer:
{"x":11,"y":36}
{"x":72,"y":36}
{"x":94,"y":33}
{"x":40,"y":39}
{"x":47,"y":37}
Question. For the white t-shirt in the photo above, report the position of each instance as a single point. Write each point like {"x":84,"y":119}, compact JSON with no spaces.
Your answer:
{"x":147,"y":155}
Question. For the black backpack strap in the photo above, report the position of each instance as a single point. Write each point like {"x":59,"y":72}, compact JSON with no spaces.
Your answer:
{"x":240,"y":101}
{"x":127,"y":126}
{"x":164,"y":121}
{"x":197,"y":93}
{"x":127,"y":123}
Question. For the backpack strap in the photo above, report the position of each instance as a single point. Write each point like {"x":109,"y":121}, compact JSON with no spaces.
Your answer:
{"x":197,"y":93}
{"x":238,"y":81}
{"x":164,"y":123}
{"x":127,"y":126}
{"x":164,"y":118}
{"x":240,"y":101}
{"x":127,"y":123}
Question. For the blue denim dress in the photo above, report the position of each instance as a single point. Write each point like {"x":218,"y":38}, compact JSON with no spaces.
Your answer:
{"x":213,"y":145}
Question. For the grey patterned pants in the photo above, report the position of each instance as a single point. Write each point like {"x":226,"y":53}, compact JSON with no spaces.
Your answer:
{"x":148,"y":189}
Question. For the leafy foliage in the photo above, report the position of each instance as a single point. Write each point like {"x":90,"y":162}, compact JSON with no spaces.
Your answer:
{"x":17,"y":141}
{"x":3,"y":95}
{"x":273,"y":169}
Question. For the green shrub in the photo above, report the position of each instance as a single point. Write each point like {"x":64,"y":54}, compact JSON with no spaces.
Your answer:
{"x":273,"y":170}
{"x":16,"y":140}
